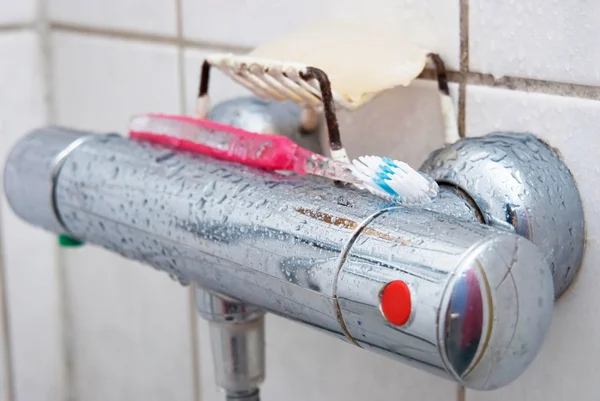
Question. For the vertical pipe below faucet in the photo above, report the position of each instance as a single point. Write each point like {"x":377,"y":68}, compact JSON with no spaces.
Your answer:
{"x":237,"y":339}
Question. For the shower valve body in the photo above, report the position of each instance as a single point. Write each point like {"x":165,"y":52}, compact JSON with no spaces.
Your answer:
{"x":462,"y":287}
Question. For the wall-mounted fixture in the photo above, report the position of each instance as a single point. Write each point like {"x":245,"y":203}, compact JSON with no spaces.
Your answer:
{"x":462,"y":287}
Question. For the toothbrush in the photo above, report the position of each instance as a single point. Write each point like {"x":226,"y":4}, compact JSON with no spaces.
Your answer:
{"x":392,"y":180}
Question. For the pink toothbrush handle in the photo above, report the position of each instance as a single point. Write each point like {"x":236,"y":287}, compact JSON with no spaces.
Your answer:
{"x":270,"y":152}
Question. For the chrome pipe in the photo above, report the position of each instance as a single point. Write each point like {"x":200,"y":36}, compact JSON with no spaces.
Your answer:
{"x":237,"y":335}
{"x":429,"y":286}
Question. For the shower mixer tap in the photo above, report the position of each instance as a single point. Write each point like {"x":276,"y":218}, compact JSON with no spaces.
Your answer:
{"x":462,"y":287}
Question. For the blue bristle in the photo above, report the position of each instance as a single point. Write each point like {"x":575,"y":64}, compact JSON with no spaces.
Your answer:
{"x":383,"y":185}
{"x":386,"y":169}
{"x":391,"y":163}
{"x":383,"y":175}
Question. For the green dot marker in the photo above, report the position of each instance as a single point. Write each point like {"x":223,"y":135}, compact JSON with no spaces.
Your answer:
{"x":68,"y":242}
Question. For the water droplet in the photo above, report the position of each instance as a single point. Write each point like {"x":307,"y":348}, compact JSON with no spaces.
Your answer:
{"x":241,"y":189}
{"x":261,"y":203}
{"x":521,"y":155}
{"x":209,"y":189}
{"x":498,"y":155}
{"x":200,"y":204}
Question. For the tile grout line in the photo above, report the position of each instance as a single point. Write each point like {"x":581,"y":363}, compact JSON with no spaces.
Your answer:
{"x":462,"y":102}
{"x":180,"y":56}
{"x":10,"y":27}
{"x":67,"y":27}
{"x":195,"y":347}
{"x":9,"y":392}
{"x":45,"y":30}
{"x":193,"y":317}
{"x":464,"y":67}
{"x":532,"y":85}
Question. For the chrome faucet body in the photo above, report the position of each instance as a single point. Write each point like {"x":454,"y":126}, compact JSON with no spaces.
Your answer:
{"x":482,"y":284}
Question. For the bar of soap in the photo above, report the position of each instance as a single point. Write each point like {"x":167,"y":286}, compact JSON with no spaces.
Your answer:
{"x":361,"y":59}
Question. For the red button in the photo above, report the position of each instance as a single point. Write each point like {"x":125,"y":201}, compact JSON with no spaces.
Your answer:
{"x":395,"y":301}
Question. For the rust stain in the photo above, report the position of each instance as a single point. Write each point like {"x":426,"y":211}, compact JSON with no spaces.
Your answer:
{"x":349,"y":224}
{"x":329,"y":219}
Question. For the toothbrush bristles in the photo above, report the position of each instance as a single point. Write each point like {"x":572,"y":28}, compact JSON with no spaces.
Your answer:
{"x":394,"y":180}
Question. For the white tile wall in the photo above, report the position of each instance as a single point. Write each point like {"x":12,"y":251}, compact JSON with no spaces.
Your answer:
{"x":248,"y":23}
{"x":129,"y":327}
{"x":129,"y":330}
{"x":31,"y":278}
{"x":147,"y":16}
{"x":17,"y":12}
{"x":555,"y":40}
{"x":5,"y":379}
{"x":99,"y":83}
{"x":565,"y":368}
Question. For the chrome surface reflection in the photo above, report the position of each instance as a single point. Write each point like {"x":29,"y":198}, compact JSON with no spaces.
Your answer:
{"x":266,"y":117}
{"x":464,"y":321}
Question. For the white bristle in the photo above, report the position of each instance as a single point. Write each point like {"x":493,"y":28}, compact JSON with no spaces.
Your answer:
{"x":394,"y":180}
